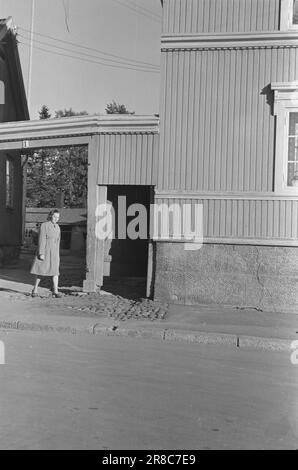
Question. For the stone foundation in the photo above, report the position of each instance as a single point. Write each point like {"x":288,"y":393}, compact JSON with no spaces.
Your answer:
{"x":8,"y":254}
{"x":261,"y":277}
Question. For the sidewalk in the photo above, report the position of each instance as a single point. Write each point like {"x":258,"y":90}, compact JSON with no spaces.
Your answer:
{"x":111,"y":315}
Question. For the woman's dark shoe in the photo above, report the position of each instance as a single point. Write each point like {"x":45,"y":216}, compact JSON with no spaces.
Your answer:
{"x":57,"y":295}
{"x":34,"y":294}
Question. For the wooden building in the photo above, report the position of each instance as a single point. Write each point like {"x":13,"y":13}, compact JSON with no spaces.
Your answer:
{"x":13,"y":107}
{"x":226,"y":140}
{"x":229,"y":139}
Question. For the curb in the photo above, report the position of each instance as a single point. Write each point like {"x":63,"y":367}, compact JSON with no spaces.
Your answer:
{"x":170,"y":335}
{"x":21,"y":326}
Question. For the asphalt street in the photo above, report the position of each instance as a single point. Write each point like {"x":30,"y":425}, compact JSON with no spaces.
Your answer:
{"x":82,"y":392}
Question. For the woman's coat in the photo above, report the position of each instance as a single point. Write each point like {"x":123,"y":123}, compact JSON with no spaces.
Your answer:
{"x":49,"y":247}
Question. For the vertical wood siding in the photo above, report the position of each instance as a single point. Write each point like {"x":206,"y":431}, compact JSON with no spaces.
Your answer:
{"x":217,"y":124}
{"x":245,"y":219}
{"x":128,"y":158}
{"x":220,"y":16}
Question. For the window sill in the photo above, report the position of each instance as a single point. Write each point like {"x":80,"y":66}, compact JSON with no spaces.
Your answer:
{"x":289,"y":191}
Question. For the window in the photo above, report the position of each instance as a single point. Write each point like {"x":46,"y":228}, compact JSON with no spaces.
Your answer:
{"x":295,"y":12}
{"x":286,"y":155}
{"x":9,"y":183}
{"x":289,"y":15}
{"x":292,"y":170}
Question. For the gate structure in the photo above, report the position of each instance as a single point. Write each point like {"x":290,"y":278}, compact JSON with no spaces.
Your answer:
{"x":122,"y":150}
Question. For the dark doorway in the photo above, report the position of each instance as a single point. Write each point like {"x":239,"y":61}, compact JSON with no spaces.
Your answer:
{"x":126,"y":260}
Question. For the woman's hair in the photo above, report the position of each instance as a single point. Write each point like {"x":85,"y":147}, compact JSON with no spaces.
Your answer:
{"x":51,"y":213}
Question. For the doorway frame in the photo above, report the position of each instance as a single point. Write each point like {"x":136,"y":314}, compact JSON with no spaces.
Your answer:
{"x":151,"y":262}
{"x":24,"y":136}
{"x":29,"y":136}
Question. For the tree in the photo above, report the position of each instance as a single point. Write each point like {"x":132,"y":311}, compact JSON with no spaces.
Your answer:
{"x":69,"y":174}
{"x":61,"y":113}
{"x":50,"y":171}
{"x":70,"y":168}
{"x":58,"y":169}
{"x":44,"y":112}
{"x":40,"y":190}
{"x":114,"y":108}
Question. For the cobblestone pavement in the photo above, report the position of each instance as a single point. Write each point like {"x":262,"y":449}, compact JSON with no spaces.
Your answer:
{"x":120,"y":299}
{"x":76,"y":303}
{"x":117,"y":307}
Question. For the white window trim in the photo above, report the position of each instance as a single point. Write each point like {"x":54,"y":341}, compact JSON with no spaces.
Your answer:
{"x":285,"y":101}
{"x":286,"y":16}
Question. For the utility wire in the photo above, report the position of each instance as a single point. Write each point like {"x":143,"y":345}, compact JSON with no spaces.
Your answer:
{"x":139,"y":11}
{"x":143,"y":67}
{"x":141,"y":63}
{"x":89,"y":61}
{"x":146,"y":10}
{"x":137,"y":7}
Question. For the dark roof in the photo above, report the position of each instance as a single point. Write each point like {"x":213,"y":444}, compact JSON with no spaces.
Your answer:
{"x":67,"y":216}
{"x":9,"y":48}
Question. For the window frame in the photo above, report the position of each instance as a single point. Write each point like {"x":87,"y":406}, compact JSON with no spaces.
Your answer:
{"x":287,"y":119}
{"x":286,"y":16}
{"x":9,"y":182}
{"x":285,"y":102}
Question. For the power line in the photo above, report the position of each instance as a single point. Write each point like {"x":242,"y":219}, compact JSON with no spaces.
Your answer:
{"x":147,"y":10}
{"x":139,"y":10}
{"x":90,"y":55}
{"x":141,"y":63}
{"x":89,"y":61}
{"x":137,"y":7}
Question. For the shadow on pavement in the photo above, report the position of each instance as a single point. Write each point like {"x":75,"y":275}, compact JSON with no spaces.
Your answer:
{"x":13,"y":277}
{"x":133,"y":288}
{"x":16,"y":278}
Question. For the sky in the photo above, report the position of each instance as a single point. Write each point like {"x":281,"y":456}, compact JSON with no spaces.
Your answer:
{"x":96,"y":74}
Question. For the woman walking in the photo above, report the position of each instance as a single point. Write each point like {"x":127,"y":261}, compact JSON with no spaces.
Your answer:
{"x":47,"y":259}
